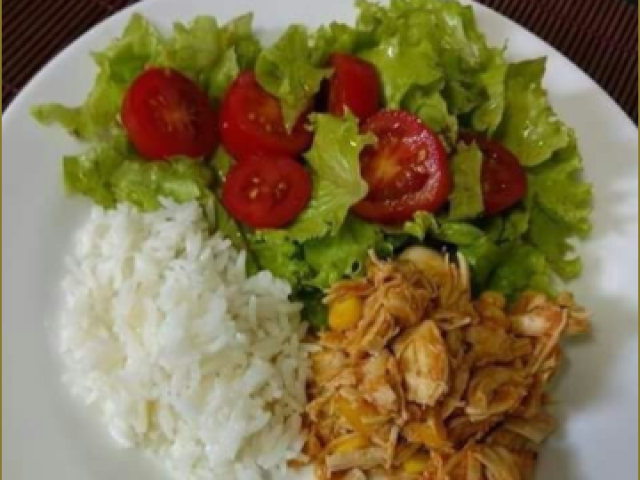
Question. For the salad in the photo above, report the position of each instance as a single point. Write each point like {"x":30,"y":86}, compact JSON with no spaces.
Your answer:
{"x":404,"y":129}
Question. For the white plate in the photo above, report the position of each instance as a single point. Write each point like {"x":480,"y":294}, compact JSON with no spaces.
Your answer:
{"x":45,"y":435}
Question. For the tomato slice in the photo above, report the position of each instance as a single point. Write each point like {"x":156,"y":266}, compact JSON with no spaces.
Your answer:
{"x":504,"y":181}
{"x":407,"y":169}
{"x":251,"y":122}
{"x":167,"y":114}
{"x":266,"y":193}
{"x":354,"y":85}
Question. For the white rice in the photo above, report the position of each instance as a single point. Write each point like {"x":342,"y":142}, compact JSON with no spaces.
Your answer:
{"x":180,"y":352}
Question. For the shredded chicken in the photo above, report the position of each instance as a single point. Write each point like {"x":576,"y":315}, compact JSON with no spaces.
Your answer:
{"x":422,"y":356}
{"x":430,"y":384}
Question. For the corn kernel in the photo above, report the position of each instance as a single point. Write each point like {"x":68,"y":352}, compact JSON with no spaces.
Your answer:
{"x":356,"y":442}
{"x":345,"y":313}
{"x":418,"y":463}
{"x":355,"y":414}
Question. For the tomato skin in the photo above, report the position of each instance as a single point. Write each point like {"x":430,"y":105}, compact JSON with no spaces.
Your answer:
{"x":504,"y":180}
{"x":407,"y":170}
{"x":167,"y":114}
{"x":354,"y":86}
{"x":266,"y":192}
{"x":251,"y":122}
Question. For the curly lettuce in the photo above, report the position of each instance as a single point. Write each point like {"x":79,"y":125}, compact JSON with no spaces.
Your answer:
{"x":402,"y":67}
{"x":334,"y":162}
{"x":560,"y":209}
{"x":433,"y":61}
{"x":465,"y":200}
{"x":111,"y":172}
{"x":434,"y":44}
{"x":344,"y":254}
{"x":429,"y":105}
{"x":210,"y":54}
{"x":530,"y":128}
{"x":117,"y":66}
{"x":286,"y":71}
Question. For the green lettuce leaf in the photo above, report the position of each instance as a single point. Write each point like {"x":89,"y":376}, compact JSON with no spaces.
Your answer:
{"x":431,"y":108}
{"x":74,"y":119}
{"x":316,"y":263}
{"x":529,"y":127}
{"x":556,"y":210}
{"x":551,"y":238}
{"x":286,"y":71}
{"x":472,"y":69}
{"x":314,"y":311}
{"x":483,"y":257}
{"x":421,"y":225}
{"x":481,"y":252}
{"x":90,"y":173}
{"x":239,"y":34}
{"x":344,"y":254}
{"x":221,"y":163}
{"x":558,"y":189}
{"x":209,"y":54}
{"x":459,"y":233}
{"x":509,"y":226}
{"x":143,"y":184}
{"x":421,"y":228}
{"x":561,"y":205}
{"x":193,"y":47}
{"x":221,"y":221}
{"x":127,"y":55}
{"x":332,"y":38}
{"x":111,"y":173}
{"x":335,"y":168}
{"x":312,"y":266}
{"x":525,"y":246}
{"x":212,"y":55}
{"x":239,"y":52}
{"x":403,"y":67}
{"x":117,"y":65}
{"x":223,"y":74}
{"x":522,"y":267}
{"x":276,"y":252}
{"x":487,"y":116}
{"x":508,"y":267}
{"x":374,"y":20}
{"x":449,"y":26}
{"x":447,"y":35}
{"x":435,"y":45}
{"x":466,"y":197}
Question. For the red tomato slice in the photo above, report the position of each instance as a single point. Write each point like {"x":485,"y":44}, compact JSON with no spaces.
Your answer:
{"x":166,"y":114}
{"x":407,"y":169}
{"x":266,"y":193}
{"x":354,"y":85}
{"x":251,"y":122}
{"x":504,"y":181}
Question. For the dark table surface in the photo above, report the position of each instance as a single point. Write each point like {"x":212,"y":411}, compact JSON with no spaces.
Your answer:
{"x":600,"y":36}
